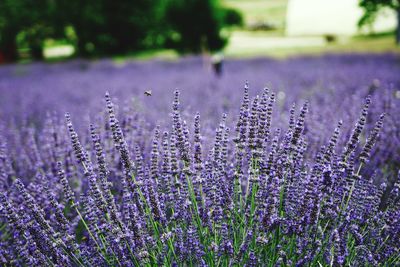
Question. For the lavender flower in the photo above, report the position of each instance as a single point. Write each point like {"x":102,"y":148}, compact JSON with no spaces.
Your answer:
{"x":145,"y":191}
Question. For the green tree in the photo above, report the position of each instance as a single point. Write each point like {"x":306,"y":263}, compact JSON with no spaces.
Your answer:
{"x":371,"y":9}
{"x":105,"y":27}
{"x":196,"y":25}
{"x":31,"y":18}
{"x":13,"y":17}
{"x":232,"y":17}
{"x":102,"y":27}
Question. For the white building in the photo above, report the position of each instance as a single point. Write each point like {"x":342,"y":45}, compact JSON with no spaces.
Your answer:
{"x":332,"y":17}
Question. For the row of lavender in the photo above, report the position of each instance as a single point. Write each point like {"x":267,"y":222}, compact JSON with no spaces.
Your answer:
{"x":260,"y":202}
{"x":27,"y":92}
{"x":332,"y":84}
{"x":264,"y":188}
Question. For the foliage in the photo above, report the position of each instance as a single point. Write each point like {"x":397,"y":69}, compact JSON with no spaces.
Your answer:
{"x":32,"y":18}
{"x":112,"y":27}
{"x":107,"y":27}
{"x":195,"y":25}
{"x":371,"y":9}
{"x":232,"y":17}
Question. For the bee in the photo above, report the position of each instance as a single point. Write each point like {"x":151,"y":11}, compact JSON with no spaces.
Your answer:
{"x":147,"y":93}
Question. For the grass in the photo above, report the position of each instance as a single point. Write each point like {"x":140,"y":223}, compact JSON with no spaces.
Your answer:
{"x":248,"y":44}
{"x":271,"y":11}
{"x":165,"y":54}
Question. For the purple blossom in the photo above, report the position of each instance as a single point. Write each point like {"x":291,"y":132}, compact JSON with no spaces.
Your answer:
{"x":141,"y":188}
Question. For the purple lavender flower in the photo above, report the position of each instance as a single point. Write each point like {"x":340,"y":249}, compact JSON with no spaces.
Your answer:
{"x":137,"y":189}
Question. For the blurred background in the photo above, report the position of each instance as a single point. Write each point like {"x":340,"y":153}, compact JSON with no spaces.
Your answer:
{"x":52,"y":30}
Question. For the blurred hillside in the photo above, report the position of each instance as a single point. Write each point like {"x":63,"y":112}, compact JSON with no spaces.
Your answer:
{"x":60,"y":29}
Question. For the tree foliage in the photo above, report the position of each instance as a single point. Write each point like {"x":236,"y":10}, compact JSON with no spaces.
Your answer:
{"x":110,"y":27}
{"x":196,"y":24}
{"x":31,"y":18}
{"x":371,"y":9}
{"x":107,"y":27}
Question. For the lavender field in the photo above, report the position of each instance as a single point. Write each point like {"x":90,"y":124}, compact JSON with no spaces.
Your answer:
{"x":276,"y":163}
